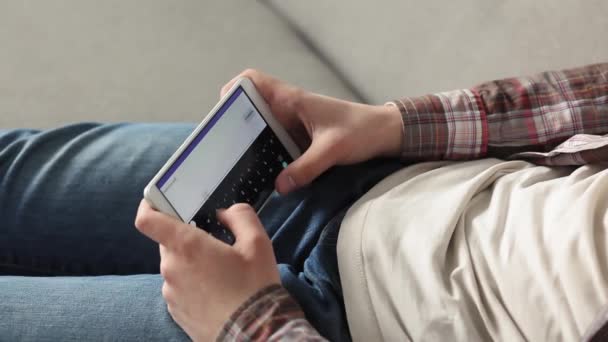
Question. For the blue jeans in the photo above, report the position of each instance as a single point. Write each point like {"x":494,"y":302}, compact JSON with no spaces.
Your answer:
{"x":73,"y":267}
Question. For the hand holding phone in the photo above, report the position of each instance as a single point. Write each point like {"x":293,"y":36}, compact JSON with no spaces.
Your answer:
{"x":329,"y":131}
{"x":233,"y":156}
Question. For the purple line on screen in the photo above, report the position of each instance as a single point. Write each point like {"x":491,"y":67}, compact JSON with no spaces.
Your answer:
{"x":198,"y":138}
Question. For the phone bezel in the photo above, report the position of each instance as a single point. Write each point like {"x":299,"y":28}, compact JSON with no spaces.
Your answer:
{"x":152,"y":193}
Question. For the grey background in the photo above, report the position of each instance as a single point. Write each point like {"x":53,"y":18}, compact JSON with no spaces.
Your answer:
{"x":150,"y":60}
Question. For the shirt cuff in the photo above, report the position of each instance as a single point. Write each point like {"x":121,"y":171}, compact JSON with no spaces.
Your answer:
{"x":448,"y":125}
{"x":261,"y":316}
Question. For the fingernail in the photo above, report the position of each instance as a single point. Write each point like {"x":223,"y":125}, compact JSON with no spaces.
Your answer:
{"x":286,"y":184}
{"x":292,"y":183}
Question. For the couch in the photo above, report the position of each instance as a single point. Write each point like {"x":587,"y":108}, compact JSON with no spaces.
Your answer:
{"x":65,"y":61}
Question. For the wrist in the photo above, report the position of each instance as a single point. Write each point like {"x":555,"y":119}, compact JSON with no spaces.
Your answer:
{"x":390,"y":133}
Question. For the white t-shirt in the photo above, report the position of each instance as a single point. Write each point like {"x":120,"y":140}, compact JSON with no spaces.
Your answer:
{"x":477,"y":251}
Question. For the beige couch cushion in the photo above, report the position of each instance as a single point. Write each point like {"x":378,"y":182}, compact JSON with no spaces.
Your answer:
{"x":394,"y":48}
{"x":139,"y":60}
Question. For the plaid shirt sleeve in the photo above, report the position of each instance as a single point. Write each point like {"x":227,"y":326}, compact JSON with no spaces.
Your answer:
{"x":269,"y":315}
{"x":553,"y":118}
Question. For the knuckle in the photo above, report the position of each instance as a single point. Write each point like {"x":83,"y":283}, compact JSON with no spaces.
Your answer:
{"x":189,"y":244}
{"x":240,"y":207}
{"x":165,"y":271}
{"x":248,"y":261}
{"x":294,"y":100}
{"x":142,"y":220}
{"x":259,"y":240}
{"x":338,"y":144}
{"x":167,"y":293}
{"x":250,"y":72}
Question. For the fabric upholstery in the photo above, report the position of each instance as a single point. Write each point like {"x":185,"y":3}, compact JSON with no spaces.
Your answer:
{"x":397,"y":48}
{"x":139,"y":60}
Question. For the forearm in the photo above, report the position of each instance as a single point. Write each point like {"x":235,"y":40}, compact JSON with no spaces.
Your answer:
{"x":506,"y":117}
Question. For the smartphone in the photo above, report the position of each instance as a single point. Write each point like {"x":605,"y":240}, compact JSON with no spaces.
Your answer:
{"x":234,"y":155}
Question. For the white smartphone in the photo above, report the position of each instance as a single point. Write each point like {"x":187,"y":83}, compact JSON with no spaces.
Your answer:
{"x":233,"y":156}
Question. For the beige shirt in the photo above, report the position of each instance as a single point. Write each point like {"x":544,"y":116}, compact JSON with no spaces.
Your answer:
{"x":477,"y":251}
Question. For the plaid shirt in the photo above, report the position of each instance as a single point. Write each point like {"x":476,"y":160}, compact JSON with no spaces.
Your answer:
{"x":269,"y":315}
{"x":554,"y":118}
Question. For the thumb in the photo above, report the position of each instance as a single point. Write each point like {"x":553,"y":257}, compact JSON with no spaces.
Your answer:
{"x":306,"y":168}
{"x":162,"y":228}
{"x":243,"y":221}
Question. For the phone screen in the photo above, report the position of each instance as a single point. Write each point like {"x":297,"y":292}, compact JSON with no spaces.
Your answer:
{"x":235,"y":158}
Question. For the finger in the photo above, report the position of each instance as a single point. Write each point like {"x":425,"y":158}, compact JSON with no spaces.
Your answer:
{"x":302,"y":171}
{"x":160,"y":227}
{"x":283,"y":100}
{"x":243,"y":221}
{"x":164,"y":268}
{"x":228,"y":85}
{"x":265,"y":84}
{"x":162,"y":250}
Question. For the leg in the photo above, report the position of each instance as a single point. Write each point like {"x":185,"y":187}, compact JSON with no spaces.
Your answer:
{"x":68,"y":197}
{"x":68,"y":202}
{"x":103,"y":308}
